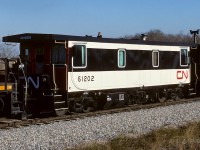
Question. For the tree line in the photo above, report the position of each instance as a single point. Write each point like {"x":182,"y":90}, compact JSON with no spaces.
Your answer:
{"x":158,"y":35}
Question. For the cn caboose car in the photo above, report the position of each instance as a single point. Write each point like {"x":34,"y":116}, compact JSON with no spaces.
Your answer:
{"x":60,"y":73}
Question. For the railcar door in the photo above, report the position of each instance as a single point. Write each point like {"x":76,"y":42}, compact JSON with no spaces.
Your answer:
{"x":59,"y":66}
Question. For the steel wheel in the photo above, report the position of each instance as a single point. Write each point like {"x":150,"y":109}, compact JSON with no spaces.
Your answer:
{"x":85,"y":105}
{"x":161,"y":97}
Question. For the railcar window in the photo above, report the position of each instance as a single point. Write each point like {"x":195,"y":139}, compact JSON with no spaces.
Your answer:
{"x":121,"y":58}
{"x":26,"y":52}
{"x":184,"y":57}
{"x":39,"y":55}
{"x":79,"y":56}
{"x":155,"y":58}
{"x":58,"y":54}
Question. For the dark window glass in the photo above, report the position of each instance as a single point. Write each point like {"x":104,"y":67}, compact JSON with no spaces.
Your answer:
{"x":58,"y":54}
{"x":155,"y":58}
{"x":184,"y":57}
{"x":39,"y":55}
{"x":79,"y":56}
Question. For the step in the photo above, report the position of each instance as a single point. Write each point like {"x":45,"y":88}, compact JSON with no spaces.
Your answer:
{"x":17,"y":112}
{"x":15,"y":109}
{"x":58,"y":98}
{"x":16,"y":102}
{"x":57,"y":95}
{"x":191,"y":89}
{"x":61,"y":109}
{"x":59,"y":102}
{"x":192,"y":94}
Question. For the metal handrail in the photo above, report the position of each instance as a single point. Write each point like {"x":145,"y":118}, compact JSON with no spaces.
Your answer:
{"x":54,"y":80}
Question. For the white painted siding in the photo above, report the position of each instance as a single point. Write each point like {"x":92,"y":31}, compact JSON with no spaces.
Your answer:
{"x":126,"y":46}
{"x":126,"y":79}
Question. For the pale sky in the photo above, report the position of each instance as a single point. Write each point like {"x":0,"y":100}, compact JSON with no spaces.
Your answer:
{"x":114,"y":18}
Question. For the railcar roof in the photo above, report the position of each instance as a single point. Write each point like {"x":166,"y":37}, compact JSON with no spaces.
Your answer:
{"x":36,"y":37}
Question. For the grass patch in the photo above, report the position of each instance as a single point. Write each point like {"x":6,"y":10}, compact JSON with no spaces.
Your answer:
{"x":183,"y":138}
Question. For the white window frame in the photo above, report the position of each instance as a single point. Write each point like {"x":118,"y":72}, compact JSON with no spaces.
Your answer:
{"x":155,"y":51}
{"x":180,"y":57}
{"x":118,"y":61}
{"x":80,"y":67}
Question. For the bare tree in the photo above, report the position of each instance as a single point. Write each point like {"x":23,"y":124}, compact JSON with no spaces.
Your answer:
{"x":8,"y":50}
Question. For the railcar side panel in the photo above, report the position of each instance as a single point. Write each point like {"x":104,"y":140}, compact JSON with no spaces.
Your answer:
{"x":102,"y":71}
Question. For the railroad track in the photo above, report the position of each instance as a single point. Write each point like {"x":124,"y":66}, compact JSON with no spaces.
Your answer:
{"x":6,"y":123}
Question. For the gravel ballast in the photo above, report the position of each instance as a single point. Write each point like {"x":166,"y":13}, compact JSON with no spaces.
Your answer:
{"x":68,"y":134}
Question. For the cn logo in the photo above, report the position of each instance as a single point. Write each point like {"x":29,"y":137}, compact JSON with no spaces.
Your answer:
{"x":182,"y":75}
{"x":32,"y":82}
{"x":35,"y":84}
